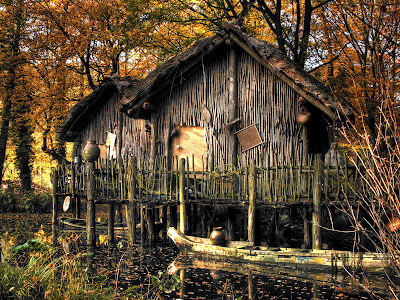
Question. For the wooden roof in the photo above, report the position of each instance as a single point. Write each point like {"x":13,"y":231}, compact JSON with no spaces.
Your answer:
{"x":269,"y":56}
{"x":81,"y":112}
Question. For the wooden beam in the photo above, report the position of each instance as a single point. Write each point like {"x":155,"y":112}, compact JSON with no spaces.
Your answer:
{"x":182,"y":200}
{"x":252,"y":203}
{"x":232,"y":103}
{"x":316,"y":214}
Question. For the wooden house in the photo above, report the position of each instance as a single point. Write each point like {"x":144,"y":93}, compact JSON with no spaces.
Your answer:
{"x":229,"y":96}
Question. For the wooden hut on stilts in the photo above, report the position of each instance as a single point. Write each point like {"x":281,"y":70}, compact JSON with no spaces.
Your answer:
{"x":229,"y":122}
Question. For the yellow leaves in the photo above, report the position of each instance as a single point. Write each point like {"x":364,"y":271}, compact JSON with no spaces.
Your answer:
{"x":42,"y":236}
{"x":103,"y":239}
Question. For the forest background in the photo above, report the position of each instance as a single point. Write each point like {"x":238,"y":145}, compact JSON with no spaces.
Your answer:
{"x":55,"y":52}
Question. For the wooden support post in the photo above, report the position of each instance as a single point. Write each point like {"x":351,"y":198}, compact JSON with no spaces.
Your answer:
{"x":111,"y":221}
{"x":194,"y":219}
{"x":131,"y":206}
{"x":316,"y":214}
{"x":231,"y":223}
{"x":164,"y":223}
{"x":73,"y":190}
{"x":142,"y":225}
{"x":182,"y":200}
{"x":173,"y":216}
{"x":203,"y":221}
{"x":55,"y":206}
{"x":306,"y":228}
{"x":90,"y":211}
{"x":151,"y":226}
{"x":78,"y":206}
{"x":189,"y":219}
{"x":119,"y":212}
{"x":252,"y":204}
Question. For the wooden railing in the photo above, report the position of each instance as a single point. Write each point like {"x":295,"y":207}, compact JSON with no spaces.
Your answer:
{"x":275,"y":184}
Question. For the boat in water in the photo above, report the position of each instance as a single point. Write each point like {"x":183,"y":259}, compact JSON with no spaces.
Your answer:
{"x":330,"y":260}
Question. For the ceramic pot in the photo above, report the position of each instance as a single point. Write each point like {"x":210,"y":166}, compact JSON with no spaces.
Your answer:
{"x":91,"y":152}
{"x":303,"y":118}
{"x":217,"y":236}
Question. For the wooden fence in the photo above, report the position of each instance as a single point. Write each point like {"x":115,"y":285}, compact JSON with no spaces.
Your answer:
{"x":275,"y":184}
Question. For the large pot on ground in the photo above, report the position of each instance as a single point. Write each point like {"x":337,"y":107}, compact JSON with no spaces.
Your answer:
{"x":217,"y":236}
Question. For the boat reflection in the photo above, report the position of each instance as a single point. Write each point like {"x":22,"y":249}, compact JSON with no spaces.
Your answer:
{"x":313,"y":285}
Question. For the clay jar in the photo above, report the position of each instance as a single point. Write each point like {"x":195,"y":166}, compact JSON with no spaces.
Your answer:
{"x":91,"y":152}
{"x":217,"y":236}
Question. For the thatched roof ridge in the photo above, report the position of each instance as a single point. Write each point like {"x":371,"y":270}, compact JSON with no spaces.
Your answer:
{"x":268,"y":55}
{"x":80,"y":113}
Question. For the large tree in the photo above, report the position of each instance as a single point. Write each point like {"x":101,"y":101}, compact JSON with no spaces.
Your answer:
{"x":362,"y":37}
{"x":288,"y":22}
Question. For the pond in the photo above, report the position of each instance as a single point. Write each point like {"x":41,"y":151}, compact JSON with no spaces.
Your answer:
{"x":165,"y":273}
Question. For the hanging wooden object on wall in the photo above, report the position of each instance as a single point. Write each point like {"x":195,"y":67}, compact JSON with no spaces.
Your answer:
{"x":249,"y":137}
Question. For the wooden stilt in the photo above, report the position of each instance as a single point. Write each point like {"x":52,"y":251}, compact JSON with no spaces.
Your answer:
{"x":78,"y":206}
{"x":194,"y":219}
{"x":90,"y":211}
{"x":316,"y":215}
{"x":306,"y":228}
{"x":111,"y":222}
{"x":142,"y":225}
{"x":151,"y":227}
{"x":277,"y":225}
{"x":73,"y":191}
{"x":189,"y":219}
{"x":55,"y":206}
{"x":164,"y":221}
{"x":182,"y":200}
{"x":173,"y":216}
{"x":252,"y":205}
{"x":131,"y":206}
{"x":231,"y":223}
{"x":203,"y":221}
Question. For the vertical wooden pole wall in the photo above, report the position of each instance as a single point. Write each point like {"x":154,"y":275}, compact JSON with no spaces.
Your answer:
{"x":252,"y":204}
{"x":131,"y":206}
{"x":316,"y":215}
{"x":232,"y":139}
{"x":55,"y":206}
{"x":182,"y":201}
{"x":90,"y":211}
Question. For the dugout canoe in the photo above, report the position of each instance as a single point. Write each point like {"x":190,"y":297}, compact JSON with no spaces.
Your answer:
{"x":330,"y":260}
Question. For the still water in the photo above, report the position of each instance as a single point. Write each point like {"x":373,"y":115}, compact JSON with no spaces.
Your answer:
{"x":179,"y":276}
{"x":163,"y":273}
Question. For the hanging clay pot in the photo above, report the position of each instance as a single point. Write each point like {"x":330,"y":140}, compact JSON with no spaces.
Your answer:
{"x":303,"y":118}
{"x":217,"y":236}
{"x":91,"y":152}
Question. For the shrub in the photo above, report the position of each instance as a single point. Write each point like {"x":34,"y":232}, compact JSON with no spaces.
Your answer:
{"x":8,"y":202}
{"x":37,"y":202}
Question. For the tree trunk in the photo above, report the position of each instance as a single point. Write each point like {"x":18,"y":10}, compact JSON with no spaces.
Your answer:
{"x":23,"y":141}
